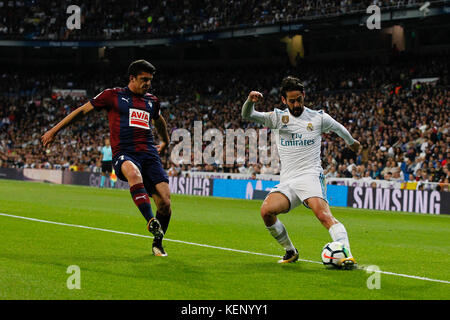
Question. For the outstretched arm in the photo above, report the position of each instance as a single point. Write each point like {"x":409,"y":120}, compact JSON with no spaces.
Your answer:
{"x":329,"y":124}
{"x":72,"y":117}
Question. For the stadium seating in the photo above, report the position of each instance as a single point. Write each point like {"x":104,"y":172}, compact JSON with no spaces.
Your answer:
{"x":403,"y":128}
{"x":26,"y":19}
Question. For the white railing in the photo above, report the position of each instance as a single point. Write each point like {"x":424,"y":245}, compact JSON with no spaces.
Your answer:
{"x":225,"y":175}
{"x":412,"y":185}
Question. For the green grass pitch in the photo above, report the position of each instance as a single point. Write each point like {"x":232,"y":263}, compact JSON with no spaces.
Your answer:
{"x":411,"y":250}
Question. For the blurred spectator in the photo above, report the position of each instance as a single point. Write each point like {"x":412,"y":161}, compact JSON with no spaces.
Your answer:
{"x":406,"y":134}
{"x":110,"y":19}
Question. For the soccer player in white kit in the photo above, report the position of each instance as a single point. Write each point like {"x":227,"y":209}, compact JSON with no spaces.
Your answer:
{"x":298,"y":132}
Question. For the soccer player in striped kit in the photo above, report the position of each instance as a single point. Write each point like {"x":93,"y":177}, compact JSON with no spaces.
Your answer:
{"x":298,"y":132}
{"x":131,"y":111}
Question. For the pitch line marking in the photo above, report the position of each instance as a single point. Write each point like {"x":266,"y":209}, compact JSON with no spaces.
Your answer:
{"x":205,"y":245}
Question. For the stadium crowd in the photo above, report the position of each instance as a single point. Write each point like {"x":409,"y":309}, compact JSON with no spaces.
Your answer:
{"x":404,"y":129}
{"x":114,"y":19}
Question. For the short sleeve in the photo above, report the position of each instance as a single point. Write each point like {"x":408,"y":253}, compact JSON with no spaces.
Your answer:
{"x":104,"y":100}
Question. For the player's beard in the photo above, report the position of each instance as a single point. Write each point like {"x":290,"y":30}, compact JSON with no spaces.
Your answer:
{"x":297,"y":111}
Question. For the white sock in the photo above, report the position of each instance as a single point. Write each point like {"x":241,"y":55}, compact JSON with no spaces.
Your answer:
{"x":278,"y":231}
{"x":338,"y":233}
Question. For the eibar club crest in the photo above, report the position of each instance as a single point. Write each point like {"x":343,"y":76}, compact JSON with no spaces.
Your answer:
{"x":285,"y":119}
{"x":309,"y":127}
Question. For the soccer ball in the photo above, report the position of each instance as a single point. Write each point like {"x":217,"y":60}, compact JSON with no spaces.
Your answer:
{"x":332,"y":253}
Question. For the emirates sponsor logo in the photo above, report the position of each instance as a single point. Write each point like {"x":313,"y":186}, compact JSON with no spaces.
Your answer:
{"x":139,"y":118}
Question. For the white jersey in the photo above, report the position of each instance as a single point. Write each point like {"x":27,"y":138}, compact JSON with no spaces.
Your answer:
{"x":299,"y":138}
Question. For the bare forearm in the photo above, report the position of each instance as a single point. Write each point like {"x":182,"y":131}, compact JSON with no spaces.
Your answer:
{"x":73,"y":117}
{"x":49,"y":136}
{"x":161,"y":128}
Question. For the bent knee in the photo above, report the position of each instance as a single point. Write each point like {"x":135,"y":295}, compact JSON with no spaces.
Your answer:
{"x":267,"y":211}
{"x":164,"y":205}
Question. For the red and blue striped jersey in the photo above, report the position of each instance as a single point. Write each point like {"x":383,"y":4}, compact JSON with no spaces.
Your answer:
{"x":129,"y":118}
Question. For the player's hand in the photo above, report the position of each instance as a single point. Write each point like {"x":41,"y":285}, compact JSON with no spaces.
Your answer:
{"x":255,"y":96}
{"x":48,"y":138}
{"x":161,"y":147}
{"x":355,"y":146}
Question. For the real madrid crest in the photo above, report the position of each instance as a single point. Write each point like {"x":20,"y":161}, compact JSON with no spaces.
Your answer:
{"x":285,"y":119}
{"x":309,"y":127}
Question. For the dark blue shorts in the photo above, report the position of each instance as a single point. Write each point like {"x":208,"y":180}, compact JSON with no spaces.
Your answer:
{"x":149,"y":165}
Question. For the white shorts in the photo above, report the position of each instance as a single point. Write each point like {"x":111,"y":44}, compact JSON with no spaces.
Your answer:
{"x":301,"y":188}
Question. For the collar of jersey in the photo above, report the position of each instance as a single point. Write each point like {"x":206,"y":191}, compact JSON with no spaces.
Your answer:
{"x":132,"y":93}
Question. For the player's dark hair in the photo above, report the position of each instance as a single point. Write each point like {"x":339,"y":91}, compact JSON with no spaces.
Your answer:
{"x":291,"y":83}
{"x":139,"y":66}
